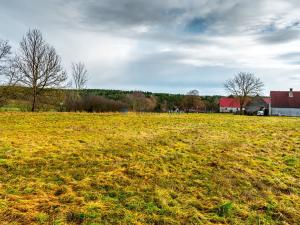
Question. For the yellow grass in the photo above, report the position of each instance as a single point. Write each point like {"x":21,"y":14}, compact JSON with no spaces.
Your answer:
{"x":68,"y":168}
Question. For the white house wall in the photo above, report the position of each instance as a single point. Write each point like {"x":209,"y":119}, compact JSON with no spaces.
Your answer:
{"x":228,"y":109}
{"x":285,"y":111}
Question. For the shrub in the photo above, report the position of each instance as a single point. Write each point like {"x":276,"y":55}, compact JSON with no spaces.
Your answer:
{"x":93,"y":104}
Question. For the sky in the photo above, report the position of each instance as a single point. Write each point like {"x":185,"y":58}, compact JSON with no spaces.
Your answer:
{"x":166,"y":46}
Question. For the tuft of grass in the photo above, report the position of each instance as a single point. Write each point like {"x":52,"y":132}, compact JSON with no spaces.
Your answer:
{"x":75,"y":217}
{"x":225,"y":209}
{"x":290,"y":161}
{"x":42,"y":218}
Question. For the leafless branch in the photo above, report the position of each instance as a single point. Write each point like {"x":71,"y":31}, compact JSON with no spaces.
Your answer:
{"x":37,"y":65}
{"x":4,"y":54}
{"x":79,"y":74}
{"x":244,"y":85}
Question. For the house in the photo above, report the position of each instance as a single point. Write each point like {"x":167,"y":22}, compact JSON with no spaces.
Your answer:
{"x":256,"y":104}
{"x":285,"y":103}
{"x":229,"y":105}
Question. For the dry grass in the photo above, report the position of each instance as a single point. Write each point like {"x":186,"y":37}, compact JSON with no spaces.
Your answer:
{"x":59,"y":168}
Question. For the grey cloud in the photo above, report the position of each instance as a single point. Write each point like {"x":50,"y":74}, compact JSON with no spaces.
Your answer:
{"x":292,"y":58}
{"x":172,"y":15}
{"x":290,"y":55}
{"x":281,"y":36}
{"x":129,"y":12}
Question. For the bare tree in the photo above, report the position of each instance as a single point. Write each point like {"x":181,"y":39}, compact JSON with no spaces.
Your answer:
{"x":4,"y":53}
{"x":11,"y":74}
{"x":242,"y":86}
{"x":37,"y":65}
{"x":4,"y":58}
{"x":79,"y":74}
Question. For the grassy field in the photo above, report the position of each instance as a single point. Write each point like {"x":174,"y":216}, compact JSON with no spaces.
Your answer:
{"x":67,"y":168}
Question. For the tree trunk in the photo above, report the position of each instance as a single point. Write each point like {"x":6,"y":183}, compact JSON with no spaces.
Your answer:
{"x":33,"y":101}
{"x":241,"y":105}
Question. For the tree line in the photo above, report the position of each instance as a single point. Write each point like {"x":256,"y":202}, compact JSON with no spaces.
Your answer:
{"x":35,"y":74}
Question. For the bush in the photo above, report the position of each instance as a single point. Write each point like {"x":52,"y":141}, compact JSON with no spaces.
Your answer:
{"x":138,"y":102}
{"x":93,"y":104}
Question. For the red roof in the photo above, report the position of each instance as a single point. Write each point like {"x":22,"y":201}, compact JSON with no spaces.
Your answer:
{"x":229,"y":102}
{"x":267,"y":100}
{"x":281,"y":99}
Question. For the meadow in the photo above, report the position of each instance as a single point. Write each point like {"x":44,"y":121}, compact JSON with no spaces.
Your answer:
{"x":79,"y":168}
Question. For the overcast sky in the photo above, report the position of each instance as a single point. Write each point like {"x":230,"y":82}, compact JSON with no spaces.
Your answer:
{"x":166,"y":45}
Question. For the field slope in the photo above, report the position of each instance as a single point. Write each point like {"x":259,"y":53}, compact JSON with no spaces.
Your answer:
{"x":64,"y":168}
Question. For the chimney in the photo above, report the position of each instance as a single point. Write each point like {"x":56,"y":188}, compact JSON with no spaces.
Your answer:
{"x":291,"y":95}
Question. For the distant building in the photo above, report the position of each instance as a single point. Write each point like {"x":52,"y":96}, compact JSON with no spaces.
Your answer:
{"x":229,"y":105}
{"x":258,"y":103}
{"x":285,"y":103}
